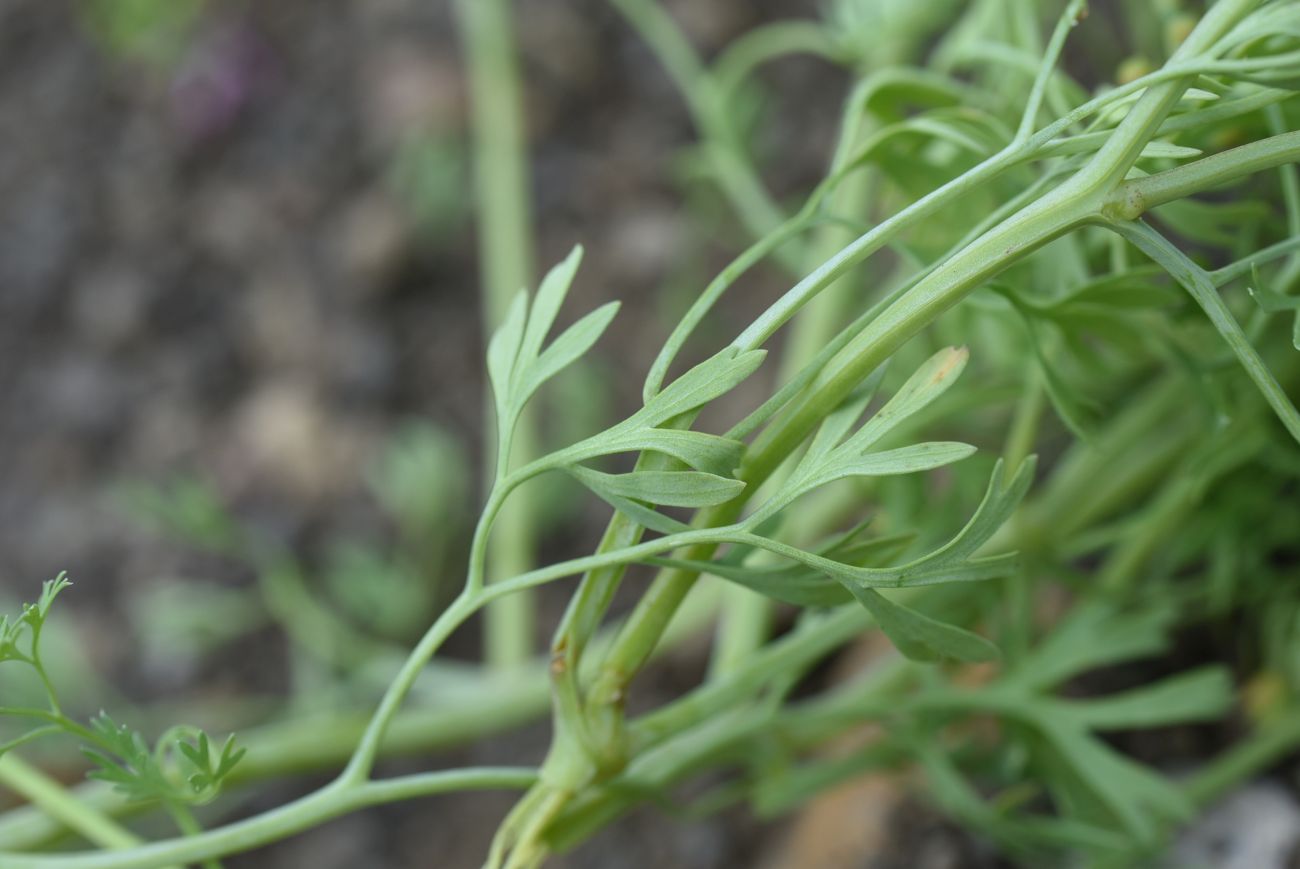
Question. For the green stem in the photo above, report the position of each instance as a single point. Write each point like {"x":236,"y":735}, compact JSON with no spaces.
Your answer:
{"x":332,"y":801}
{"x":506,"y":259}
{"x":363,"y":759}
{"x":189,"y":826}
{"x":46,"y":793}
{"x":707,"y":103}
{"x":1134,"y":198}
{"x":1258,"y":752}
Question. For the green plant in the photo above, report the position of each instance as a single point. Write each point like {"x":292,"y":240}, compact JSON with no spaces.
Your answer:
{"x":1166,"y":497}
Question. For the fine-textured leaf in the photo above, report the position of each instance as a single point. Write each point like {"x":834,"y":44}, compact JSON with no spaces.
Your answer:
{"x":1094,"y":635}
{"x":700,"y":450}
{"x":571,"y":344}
{"x":950,"y":561}
{"x":1202,"y":289}
{"x":668,"y":488}
{"x":798,"y":584}
{"x":920,"y":637}
{"x":503,"y":351}
{"x":1197,"y":695}
{"x":904,"y":460}
{"x":713,"y":377}
{"x":929,"y":382}
{"x":546,"y":304}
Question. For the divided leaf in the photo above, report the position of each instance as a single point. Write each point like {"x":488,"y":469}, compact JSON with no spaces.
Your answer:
{"x":713,"y":377}
{"x":517,"y":364}
{"x":183,"y":768}
{"x":827,"y":459}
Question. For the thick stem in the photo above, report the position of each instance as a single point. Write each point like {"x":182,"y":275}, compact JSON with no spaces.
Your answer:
{"x":1134,"y":198}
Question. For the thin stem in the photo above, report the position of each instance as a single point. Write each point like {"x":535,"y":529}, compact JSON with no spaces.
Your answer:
{"x":363,"y":759}
{"x":43,"y":791}
{"x":506,"y":260}
{"x":706,"y":101}
{"x":1258,"y":752}
{"x":1069,"y":18}
{"x":329,"y":802}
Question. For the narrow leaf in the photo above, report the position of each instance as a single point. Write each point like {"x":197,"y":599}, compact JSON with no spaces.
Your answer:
{"x":546,"y":304}
{"x":572,"y":343}
{"x":929,"y":382}
{"x":1198,"y":695}
{"x":920,"y":637}
{"x":713,"y":377}
{"x":503,"y":351}
{"x":700,"y":450}
{"x":1201,"y":287}
{"x":904,"y":460}
{"x":669,"y":488}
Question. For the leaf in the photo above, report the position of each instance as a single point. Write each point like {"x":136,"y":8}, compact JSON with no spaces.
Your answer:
{"x":646,"y":517}
{"x":904,"y":460}
{"x":572,"y":343}
{"x":1197,"y":695}
{"x":503,"y":352}
{"x":203,"y":777}
{"x":713,"y":377}
{"x":796,"y":584}
{"x":517,"y":364}
{"x":1159,"y":149}
{"x":952,"y":562}
{"x":35,"y":614}
{"x":825,"y":460}
{"x":1201,"y":286}
{"x":1132,"y":792}
{"x":1272,"y":302}
{"x":837,"y":424}
{"x":122,"y":758}
{"x":31,"y":619}
{"x":546,"y":305}
{"x":929,"y":382}
{"x":920,"y":637}
{"x":1096,"y":634}
{"x":700,"y":450}
{"x":668,"y":488}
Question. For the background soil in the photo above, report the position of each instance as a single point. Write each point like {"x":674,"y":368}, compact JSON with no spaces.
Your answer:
{"x":231,"y":265}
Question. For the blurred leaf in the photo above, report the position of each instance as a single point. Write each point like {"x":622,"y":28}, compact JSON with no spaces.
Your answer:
{"x":920,"y":637}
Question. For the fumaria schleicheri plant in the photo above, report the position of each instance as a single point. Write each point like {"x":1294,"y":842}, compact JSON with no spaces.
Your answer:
{"x":1012,"y":222}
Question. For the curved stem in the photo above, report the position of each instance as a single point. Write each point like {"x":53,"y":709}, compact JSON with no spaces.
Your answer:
{"x":329,"y":802}
{"x":363,"y":759}
{"x":43,"y":791}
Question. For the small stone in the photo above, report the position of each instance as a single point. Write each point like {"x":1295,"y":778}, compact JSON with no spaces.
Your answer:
{"x":109,"y":303}
{"x":372,"y":237}
{"x":1257,"y":827}
{"x":410,"y":89}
